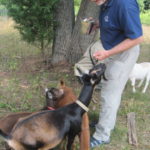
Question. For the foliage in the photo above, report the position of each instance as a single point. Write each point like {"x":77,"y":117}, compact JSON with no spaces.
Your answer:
{"x":145,"y":18}
{"x":34,"y":19}
{"x":77,"y":6}
{"x":77,"y":2}
{"x":145,"y":11}
{"x":144,"y":5}
{"x":3,"y":11}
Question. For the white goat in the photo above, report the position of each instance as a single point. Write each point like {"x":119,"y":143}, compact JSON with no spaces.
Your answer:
{"x":140,"y":71}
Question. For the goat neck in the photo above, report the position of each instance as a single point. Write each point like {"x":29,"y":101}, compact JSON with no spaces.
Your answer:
{"x":90,"y":80}
{"x":86,"y":94}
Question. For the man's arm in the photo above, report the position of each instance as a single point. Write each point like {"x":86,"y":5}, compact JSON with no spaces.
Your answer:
{"x":123,"y":46}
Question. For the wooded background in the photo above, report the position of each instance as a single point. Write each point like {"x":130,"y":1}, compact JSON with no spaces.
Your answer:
{"x":57,"y":23}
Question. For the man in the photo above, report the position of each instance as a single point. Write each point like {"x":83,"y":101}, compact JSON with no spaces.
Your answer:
{"x":120,"y":34}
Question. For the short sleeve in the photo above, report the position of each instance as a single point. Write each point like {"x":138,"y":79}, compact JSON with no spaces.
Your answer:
{"x":129,"y":19}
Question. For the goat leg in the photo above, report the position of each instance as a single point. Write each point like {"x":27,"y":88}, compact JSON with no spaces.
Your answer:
{"x":71,"y":138}
{"x":85,"y":133}
{"x":141,"y":82}
{"x":146,"y":85}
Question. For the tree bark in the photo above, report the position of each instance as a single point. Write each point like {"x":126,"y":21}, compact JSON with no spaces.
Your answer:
{"x":65,"y":19}
{"x":79,"y":41}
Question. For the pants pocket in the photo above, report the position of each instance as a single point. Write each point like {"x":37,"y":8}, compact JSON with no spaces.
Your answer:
{"x":114,"y":69}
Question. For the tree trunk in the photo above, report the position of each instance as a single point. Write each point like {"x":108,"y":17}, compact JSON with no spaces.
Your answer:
{"x":79,"y":41}
{"x":69,"y":43}
{"x":65,"y":19}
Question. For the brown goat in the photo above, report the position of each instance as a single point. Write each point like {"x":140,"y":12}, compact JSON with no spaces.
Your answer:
{"x":7,"y":122}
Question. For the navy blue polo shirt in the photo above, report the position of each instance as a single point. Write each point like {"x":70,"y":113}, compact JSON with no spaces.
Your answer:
{"x":119,"y":20}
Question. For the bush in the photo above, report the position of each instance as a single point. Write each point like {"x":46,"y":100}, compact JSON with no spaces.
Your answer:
{"x":34,"y":19}
{"x":3,"y":11}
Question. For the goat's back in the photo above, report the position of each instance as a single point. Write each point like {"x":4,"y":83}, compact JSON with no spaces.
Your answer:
{"x":140,"y":70}
{"x":145,"y":65}
{"x":8,"y":122}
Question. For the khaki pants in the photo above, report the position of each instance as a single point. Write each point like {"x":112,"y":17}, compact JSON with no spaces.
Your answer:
{"x":118,"y":68}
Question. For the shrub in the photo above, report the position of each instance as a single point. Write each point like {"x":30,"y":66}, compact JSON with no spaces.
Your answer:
{"x":34,"y":19}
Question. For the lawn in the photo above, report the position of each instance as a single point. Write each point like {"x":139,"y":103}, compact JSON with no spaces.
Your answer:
{"x":145,"y":17}
{"x":24,"y":76}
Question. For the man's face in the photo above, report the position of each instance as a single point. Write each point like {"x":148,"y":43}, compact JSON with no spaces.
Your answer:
{"x":99,"y":2}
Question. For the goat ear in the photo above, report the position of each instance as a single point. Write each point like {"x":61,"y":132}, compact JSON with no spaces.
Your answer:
{"x":62,"y":83}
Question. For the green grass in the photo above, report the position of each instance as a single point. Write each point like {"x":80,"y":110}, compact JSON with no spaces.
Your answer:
{"x":131,"y":102}
{"x":23,"y":77}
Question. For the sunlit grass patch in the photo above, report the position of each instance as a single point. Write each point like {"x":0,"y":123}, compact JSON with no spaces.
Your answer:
{"x":145,"y":18}
{"x":12,"y":49}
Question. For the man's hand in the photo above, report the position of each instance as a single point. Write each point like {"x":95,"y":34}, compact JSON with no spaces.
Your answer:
{"x":101,"y":55}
